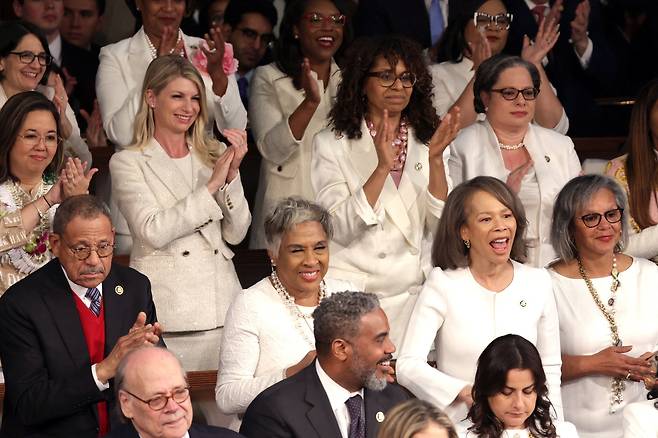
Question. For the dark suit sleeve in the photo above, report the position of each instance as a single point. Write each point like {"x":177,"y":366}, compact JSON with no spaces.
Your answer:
{"x":603,"y":64}
{"x":35,"y":397}
{"x":263,"y":421}
{"x":151,"y":314}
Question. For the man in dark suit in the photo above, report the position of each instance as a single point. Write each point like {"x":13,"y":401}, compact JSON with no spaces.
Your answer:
{"x":346,"y":391}
{"x":153,"y":393}
{"x":65,"y":327}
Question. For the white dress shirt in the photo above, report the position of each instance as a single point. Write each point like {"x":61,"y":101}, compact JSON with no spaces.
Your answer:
{"x":55,"y":48}
{"x":337,"y":396}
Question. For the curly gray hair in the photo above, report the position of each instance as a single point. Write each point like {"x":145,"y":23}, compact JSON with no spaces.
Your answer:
{"x":290,"y":212}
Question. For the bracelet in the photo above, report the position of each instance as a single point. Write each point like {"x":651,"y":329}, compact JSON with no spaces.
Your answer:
{"x":47,"y":202}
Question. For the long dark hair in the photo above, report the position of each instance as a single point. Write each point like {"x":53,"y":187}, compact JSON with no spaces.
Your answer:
{"x":641,"y":163}
{"x":502,"y":355}
{"x":12,"y":117}
{"x":287,"y":50}
{"x":11,"y":34}
{"x":351,"y":104}
{"x":453,"y":43}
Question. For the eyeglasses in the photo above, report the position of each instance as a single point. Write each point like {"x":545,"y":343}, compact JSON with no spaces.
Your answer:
{"x":253,"y":36}
{"x":316,"y":19}
{"x":103,"y":250}
{"x":500,"y":21}
{"x":159,"y":402}
{"x":27,"y":57}
{"x":512,"y":93}
{"x":593,"y":220}
{"x":32,"y":139}
{"x":387,"y":78}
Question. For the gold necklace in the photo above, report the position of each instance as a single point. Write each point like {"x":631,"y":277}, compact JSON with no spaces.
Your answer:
{"x":618,"y":385}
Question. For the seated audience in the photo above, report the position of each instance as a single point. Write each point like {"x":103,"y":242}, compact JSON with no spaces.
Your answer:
{"x":641,"y":419}
{"x":478,"y":30}
{"x":416,"y":418}
{"x":154,"y":396}
{"x":380,"y":171}
{"x":248,"y":28}
{"x":477,"y":291}
{"x":83,"y":19}
{"x":64,"y":329}
{"x":211,"y":13}
{"x":268,"y":332}
{"x":76,"y":66}
{"x":346,"y":390}
{"x":181,"y":194}
{"x":637,"y":173}
{"x":510,"y":397}
{"x":24,"y":64}
{"x":291,"y":98}
{"x":535,"y":162}
{"x":606,"y":306}
{"x":33,"y":180}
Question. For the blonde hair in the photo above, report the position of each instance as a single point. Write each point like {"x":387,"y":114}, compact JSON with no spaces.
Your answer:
{"x":159,"y":74}
{"x":408,"y":418}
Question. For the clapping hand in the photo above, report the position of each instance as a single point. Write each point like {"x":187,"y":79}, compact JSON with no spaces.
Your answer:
{"x":220,"y":171}
{"x":515,"y":177}
{"x":95,"y":133}
{"x":480,"y":50}
{"x":547,"y":35}
{"x":75,"y":181}
{"x":238,"y":140}
{"x":61,"y":100}
{"x":215,"y":58}
{"x":383,"y":140}
{"x":309,"y":84}
{"x":169,"y":42}
{"x":444,"y":135}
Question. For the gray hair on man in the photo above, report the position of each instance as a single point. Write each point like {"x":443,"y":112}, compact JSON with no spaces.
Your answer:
{"x":573,"y":197}
{"x":338,"y":317}
{"x":292,"y":211}
{"x":85,"y":206}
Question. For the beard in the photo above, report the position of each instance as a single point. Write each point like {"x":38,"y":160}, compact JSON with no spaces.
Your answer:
{"x":367,"y":375}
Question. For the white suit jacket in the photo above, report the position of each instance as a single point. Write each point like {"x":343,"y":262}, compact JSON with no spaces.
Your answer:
{"x":286,"y":166}
{"x":180,"y":234}
{"x":475,"y":152}
{"x":385,"y":250}
{"x":119,"y":89}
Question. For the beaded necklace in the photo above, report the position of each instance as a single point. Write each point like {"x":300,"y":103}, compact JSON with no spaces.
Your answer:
{"x":399,"y":145}
{"x":510,"y":147}
{"x":618,"y":385}
{"x":154,"y":50}
{"x":299,"y":317}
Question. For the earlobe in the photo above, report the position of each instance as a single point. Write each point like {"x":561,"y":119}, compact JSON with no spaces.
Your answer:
{"x":125,"y":405}
{"x":339,"y":349}
{"x":150,"y":98}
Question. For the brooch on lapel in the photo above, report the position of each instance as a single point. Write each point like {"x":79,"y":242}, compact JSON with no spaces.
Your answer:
{"x":118,"y":290}
{"x":379,"y":417}
{"x":418,"y":166}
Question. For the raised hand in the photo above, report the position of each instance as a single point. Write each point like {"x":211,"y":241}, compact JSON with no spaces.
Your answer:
{"x":579,"y":27}
{"x":61,"y":100}
{"x":444,"y":134}
{"x":95,"y":133}
{"x":169,"y":42}
{"x":480,"y":50}
{"x":547,"y":35}
{"x":383,"y":140}
{"x":220,"y":171}
{"x":71,"y":81}
{"x":556,"y":12}
{"x":238,"y":140}
{"x":215,"y":58}
{"x":75,"y":181}
{"x":309,"y":84}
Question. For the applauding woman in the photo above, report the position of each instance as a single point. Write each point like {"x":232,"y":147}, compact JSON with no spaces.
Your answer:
{"x":478,"y":291}
{"x":291,"y":98}
{"x":181,"y":194}
{"x":380,"y":171}
{"x":31,"y":183}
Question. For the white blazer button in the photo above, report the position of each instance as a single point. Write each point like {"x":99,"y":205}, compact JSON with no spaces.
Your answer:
{"x":382,"y":255}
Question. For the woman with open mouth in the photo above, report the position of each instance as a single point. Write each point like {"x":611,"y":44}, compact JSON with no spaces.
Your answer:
{"x":535,"y":162}
{"x":478,"y":290}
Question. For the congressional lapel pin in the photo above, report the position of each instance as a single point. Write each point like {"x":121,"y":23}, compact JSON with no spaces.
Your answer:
{"x":523,"y":303}
{"x":547,"y":158}
{"x":379,"y":416}
{"x":118,"y":290}
{"x":418,"y":166}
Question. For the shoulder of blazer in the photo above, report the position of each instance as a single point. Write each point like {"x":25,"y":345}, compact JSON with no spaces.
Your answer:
{"x":468,"y":136}
{"x":271,"y":72}
{"x":37,"y":283}
{"x":549,"y":138}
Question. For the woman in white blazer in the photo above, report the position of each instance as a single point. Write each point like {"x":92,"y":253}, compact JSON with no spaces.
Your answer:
{"x":477,"y":292}
{"x":535,"y":162}
{"x":380,"y":170}
{"x":289,"y":101}
{"x":477,"y":30}
{"x":181,"y":194}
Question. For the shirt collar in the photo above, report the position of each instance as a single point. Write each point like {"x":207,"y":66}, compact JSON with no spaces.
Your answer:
{"x":56,"y":50}
{"x":337,"y":394}
{"x":80,"y":291}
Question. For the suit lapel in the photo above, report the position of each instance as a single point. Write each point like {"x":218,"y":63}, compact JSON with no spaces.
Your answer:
{"x":117,"y":322}
{"x":374,"y":414}
{"x":544,"y":173}
{"x":320,"y":414}
{"x":57,"y":296}
{"x":139,"y":56}
{"x":163,"y":167}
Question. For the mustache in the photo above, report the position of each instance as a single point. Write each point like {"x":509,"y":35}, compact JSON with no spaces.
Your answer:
{"x":100,"y":269}
{"x":387,"y":357}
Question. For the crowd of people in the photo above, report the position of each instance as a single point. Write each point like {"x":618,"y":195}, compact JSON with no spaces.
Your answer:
{"x":441,"y":265}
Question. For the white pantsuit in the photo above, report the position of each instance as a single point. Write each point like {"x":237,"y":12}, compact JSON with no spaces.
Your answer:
{"x":385,"y":249}
{"x":286,"y":166}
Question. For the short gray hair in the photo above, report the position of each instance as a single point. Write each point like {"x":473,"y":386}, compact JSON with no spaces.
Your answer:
{"x":85,"y":206}
{"x":573,"y":197}
{"x":338,"y":317}
{"x":290,"y":212}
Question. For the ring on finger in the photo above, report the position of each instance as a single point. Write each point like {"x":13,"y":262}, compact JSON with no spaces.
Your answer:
{"x":628,"y":376}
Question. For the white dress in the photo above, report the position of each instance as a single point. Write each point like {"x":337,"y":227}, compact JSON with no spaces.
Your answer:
{"x":259,"y":342}
{"x":641,"y":419}
{"x":564,"y":429}
{"x":461,"y":317}
{"x":585,"y":331}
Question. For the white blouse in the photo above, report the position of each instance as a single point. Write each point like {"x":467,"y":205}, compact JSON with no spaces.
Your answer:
{"x":461,"y":317}
{"x":564,"y":430}
{"x":585,"y":331}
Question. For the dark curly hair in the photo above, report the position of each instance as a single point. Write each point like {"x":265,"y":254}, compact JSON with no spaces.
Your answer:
{"x":287,"y":51}
{"x":503,"y":354}
{"x":351,"y":104}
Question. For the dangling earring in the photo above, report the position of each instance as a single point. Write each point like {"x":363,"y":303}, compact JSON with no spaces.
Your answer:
{"x":295,"y":36}
{"x":273,"y":265}
{"x":467,"y":244}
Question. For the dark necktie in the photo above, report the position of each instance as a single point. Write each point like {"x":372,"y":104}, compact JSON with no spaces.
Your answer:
{"x":436,"y":21}
{"x":357,"y":422}
{"x":539,"y":12}
{"x":94,"y":296}
{"x":243,"y":88}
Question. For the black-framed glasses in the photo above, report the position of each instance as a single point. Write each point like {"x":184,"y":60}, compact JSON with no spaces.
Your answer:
{"x":387,"y":78}
{"x":253,"y":36}
{"x":592,"y":220}
{"x":316,"y":19}
{"x":500,"y":21}
{"x":103,"y":249}
{"x":26,"y":57}
{"x":509,"y":93}
{"x":158,"y":403}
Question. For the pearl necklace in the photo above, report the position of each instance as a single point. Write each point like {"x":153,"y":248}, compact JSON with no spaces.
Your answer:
{"x":154,"y":50}
{"x":618,"y":385}
{"x":294,"y":309}
{"x":399,"y":145}
{"x":510,"y":147}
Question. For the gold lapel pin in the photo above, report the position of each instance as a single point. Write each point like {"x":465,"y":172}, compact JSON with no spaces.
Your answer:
{"x":119,"y":290}
{"x":547,"y":158}
{"x":418,"y":166}
{"x":379,"y":416}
